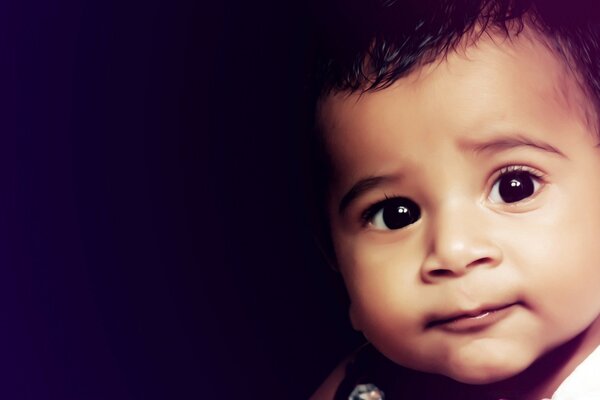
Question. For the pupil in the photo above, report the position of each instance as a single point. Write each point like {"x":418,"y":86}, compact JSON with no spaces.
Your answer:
{"x":399,"y":213}
{"x":516,"y":186}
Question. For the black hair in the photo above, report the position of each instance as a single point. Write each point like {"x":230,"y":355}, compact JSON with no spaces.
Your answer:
{"x":369,"y":44}
{"x":366,"y":45}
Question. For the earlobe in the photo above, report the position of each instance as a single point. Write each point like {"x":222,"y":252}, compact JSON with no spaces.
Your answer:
{"x":354,"y":320}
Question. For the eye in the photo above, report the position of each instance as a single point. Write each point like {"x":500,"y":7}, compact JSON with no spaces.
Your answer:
{"x":515,"y":184}
{"x":392,"y":213}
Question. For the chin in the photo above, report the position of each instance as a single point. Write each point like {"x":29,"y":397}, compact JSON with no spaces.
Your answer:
{"x":482,"y":374}
{"x":484,"y":371}
{"x":480,"y":377}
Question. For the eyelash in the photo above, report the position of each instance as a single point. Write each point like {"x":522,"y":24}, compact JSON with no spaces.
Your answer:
{"x":518,"y":168}
{"x":369,"y":213}
{"x":374,"y":208}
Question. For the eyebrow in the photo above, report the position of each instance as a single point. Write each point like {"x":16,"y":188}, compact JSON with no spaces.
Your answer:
{"x":362,"y":186}
{"x":504,"y":143}
{"x":498,"y":144}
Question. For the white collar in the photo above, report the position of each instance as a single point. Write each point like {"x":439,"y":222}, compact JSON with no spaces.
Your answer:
{"x":584,"y":381}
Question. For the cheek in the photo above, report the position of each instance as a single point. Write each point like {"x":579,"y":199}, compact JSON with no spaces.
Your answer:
{"x":381,"y":282}
{"x":376,"y":272}
{"x":557,"y":254}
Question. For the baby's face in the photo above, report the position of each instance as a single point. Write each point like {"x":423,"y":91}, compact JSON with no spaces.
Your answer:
{"x":465,"y":211}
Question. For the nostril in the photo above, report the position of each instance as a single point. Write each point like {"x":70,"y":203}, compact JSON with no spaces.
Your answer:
{"x":458,"y":262}
{"x":481,"y":261}
{"x":440,"y":272}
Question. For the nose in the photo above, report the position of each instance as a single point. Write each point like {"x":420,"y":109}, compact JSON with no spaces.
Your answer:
{"x":460,"y":239}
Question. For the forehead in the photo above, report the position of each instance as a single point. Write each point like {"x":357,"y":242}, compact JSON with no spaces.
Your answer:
{"x":493,"y":84}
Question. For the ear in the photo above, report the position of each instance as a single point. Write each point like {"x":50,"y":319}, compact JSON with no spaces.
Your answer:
{"x":354,"y":318}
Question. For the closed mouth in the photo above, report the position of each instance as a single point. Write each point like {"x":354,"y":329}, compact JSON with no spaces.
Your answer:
{"x":470,"y":319}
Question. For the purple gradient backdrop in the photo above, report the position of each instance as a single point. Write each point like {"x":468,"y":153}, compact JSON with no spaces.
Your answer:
{"x":154,"y":242}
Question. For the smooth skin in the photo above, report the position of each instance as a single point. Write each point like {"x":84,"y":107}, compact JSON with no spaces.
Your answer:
{"x":442,"y":137}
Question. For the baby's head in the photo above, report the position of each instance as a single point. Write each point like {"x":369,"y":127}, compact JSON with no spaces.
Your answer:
{"x":463,"y":181}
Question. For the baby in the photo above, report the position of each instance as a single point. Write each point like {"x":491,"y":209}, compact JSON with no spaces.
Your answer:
{"x":462,"y":165}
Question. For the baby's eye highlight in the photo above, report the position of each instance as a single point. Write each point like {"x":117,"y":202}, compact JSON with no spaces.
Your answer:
{"x":392,"y":213}
{"x":514,"y":184}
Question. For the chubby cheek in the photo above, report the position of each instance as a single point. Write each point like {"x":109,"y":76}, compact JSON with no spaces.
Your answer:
{"x":381,"y":282}
{"x":393,"y":327}
{"x":572,"y":287}
{"x":557,"y":254}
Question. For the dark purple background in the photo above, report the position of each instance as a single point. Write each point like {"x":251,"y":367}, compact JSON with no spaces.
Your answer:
{"x":154,"y":243}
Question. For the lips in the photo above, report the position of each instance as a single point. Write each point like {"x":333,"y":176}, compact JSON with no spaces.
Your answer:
{"x":477,"y":319}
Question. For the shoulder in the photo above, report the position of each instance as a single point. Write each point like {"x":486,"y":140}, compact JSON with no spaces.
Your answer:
{"x":329,"y":387}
